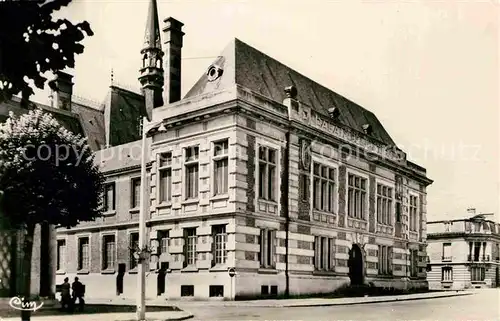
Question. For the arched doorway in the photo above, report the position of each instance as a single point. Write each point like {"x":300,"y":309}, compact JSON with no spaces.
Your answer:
{"x":356,"y":265}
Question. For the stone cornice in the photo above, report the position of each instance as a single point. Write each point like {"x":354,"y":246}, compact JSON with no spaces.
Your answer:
{"x":335,"y":142}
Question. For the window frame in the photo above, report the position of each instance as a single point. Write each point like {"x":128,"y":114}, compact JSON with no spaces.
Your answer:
{"x":132,"y":263}
{"x":61,"y":260}
{"x":102,"y":252}
{"x":385,"y":259}
{"x":271,"y":193}
{"x":105,"y":204}
{"x":219,"y":255}
{"x":215,"y":159}
{"x":385,"y":215}
{"x":413,"y":208}
{"x":186,"y":249}
{"x":160,"y":170}
{"x":324,"y":253}
{"x":191,"y":163}
{"x":449,"y":272}
{"x":267,"y":255}
{"x":78,"y":238}
{"x":135,"y":200}
{"x":328,"y":181}
{"x":366,"y":192}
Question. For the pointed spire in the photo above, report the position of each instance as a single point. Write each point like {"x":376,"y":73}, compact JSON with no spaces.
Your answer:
{"x":152,"y":35}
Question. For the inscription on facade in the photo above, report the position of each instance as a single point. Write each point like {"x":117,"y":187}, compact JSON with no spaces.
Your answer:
{"x":387,"y":152}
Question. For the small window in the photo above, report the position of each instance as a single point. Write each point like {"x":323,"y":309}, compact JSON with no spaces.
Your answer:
{"x":216,"y":291}
{"x":274,"y":290}
{"x":187,"y":290}
{"x":136,"y":193}
{"x":264,"y":290}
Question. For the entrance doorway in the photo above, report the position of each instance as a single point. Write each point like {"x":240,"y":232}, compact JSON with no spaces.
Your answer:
{"x":356,"y":265}
{"x":160,"y":282}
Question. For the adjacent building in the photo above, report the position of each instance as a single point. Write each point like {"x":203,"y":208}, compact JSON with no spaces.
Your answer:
{"x":261,"y":169}
{"x":113,"y":122}
{"x":464,"y":253}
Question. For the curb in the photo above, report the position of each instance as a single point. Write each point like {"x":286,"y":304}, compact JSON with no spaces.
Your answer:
{"x":168,"y":319}
{"x":366,"y":302}
{"x":324,"y":304}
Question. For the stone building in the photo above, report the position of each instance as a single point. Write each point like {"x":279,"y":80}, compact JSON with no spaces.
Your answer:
{"x":113,"y":122}
{"x":464,"y":253}
{"x":261,"y":169}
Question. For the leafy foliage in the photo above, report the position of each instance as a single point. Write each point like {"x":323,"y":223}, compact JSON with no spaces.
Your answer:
{"x":47,"y":173}
{"x":31,"y":43}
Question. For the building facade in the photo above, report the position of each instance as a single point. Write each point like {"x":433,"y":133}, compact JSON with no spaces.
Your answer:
{"x":261,"y":169}
{"x":463,"y":253}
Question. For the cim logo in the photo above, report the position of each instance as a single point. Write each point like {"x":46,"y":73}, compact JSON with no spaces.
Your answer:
{"x":22,"y":305}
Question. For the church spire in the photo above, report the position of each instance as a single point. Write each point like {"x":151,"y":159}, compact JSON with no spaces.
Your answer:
{"x":152,"y":35}
{"x":151,"y":77}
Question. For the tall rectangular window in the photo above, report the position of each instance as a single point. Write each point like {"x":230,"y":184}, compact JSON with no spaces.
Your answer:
{"x":267,"y":242}
{"x":477,"y":274}
{"x":384,"y":204}
{"x":61,"y":254}
{"x":134,"y":246}
{"x":413,"y":263}
{"x":190,"y":240}
{"x":324,"y":188}
{"x":192,"y":171}
{"x":221,"y":169}
{"x":413,"y":213}
{"x":267,"y":173}
{"x":165,"y":177}
{"x":164,"y":240}
{"x":109,"y":197}
{"x":446,"y":274}
{"x":356,"y":196}
{"x":136,"y":193}
{"x":324,"y":253}
{"x":384,"y":260}
{"x":446,"y":251}
{"x":83,"y":253}
{"x":219,"y":244}
{"x":108,"y":252}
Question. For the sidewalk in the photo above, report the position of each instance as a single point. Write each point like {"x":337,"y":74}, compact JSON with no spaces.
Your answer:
{"x":156,"y":316}
{"x":186,"y":304}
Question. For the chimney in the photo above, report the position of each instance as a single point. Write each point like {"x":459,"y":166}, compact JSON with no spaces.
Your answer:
{"x":290,"y":100}
{"x":64,"y":90}
{"x":172,"y":35}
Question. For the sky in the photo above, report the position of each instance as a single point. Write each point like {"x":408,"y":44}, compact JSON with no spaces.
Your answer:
{"x":429,"y":70}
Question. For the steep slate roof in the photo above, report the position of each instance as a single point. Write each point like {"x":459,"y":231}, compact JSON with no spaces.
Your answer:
{"x":246,"y":66}
{"x":70,"y":121}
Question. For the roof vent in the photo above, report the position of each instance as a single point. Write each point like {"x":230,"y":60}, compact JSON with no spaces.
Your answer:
{"x":291,"y":92}
{"x":334,"y":112}
{"x":367,"y":128}
{"x":214,"y":72}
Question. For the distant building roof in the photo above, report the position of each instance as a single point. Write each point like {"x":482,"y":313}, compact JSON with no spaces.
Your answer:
{"x":246,"y":66}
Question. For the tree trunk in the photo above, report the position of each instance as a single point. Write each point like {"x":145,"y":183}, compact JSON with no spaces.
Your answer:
{"x":26,"y":269}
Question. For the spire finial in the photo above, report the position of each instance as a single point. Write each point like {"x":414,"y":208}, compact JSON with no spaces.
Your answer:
{"x":112,"y":76}
{"x":152,"y":35}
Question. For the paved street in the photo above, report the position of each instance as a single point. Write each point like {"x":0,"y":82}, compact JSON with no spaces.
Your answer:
{"x":482,"y":305}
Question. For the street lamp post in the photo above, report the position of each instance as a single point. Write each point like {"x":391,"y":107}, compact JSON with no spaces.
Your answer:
{"x":143,"y":250}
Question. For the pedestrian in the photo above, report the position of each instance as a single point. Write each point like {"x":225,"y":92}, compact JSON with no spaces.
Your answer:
{"x":66,"y":302}
{"x":78,"y":292}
